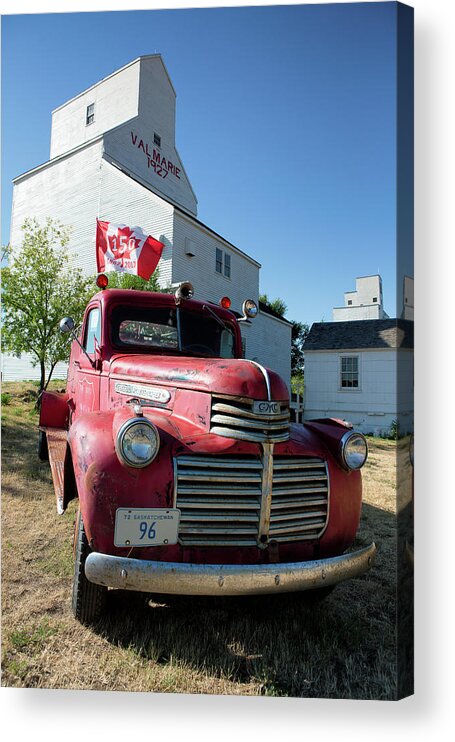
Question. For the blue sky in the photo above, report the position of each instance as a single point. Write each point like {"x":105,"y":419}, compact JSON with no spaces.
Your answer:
{"x":286,"y":125}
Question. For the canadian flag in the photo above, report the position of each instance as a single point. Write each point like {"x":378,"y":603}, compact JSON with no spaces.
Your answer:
{"x":126,"y":249}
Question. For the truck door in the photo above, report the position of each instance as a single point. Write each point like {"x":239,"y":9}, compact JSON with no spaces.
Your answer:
{"x":87,"y":367}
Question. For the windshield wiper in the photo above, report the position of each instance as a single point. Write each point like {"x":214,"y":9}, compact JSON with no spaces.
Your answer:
{"x":215,"y":316}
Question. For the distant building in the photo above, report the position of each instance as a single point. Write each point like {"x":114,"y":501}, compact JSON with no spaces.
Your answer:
{"x":113,"y":156}
{"x":363,"y":303}
{"x":361,"y":371}
{"x":408,"y":298}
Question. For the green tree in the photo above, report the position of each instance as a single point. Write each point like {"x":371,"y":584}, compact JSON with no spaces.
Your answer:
{"x":39,"y":287}
{"x":299,"y":332}
{"x":276,"y":305}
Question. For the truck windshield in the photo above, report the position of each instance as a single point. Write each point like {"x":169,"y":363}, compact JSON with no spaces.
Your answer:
{"x":171,"y":330}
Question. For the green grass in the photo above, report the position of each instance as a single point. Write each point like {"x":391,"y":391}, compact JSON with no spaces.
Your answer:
{"x":31,"y":638}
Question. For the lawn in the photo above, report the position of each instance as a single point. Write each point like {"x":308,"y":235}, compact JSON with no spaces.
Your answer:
{"x":345,"y":647}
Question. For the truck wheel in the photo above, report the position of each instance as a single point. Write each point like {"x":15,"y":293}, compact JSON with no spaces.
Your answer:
{"x":88,"y":599}
{"x":43,"y":453}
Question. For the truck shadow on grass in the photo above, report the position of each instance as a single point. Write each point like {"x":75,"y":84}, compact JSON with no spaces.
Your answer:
{"x":19,"y":456}
{"x":285,"y":645}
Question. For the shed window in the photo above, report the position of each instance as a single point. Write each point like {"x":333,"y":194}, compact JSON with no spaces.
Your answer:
{"x":349,"y":372}
{"x":90,"y":115}
{"x":219,"y":260}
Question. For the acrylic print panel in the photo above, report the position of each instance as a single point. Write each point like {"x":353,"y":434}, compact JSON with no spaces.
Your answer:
{"x":237,"y":479}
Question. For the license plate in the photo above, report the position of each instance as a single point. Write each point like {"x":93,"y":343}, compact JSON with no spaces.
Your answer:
{"x":266,"y":408}
{"x":146,"y":526}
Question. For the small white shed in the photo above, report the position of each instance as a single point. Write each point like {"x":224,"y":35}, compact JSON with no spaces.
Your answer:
{"x":361,"y":371}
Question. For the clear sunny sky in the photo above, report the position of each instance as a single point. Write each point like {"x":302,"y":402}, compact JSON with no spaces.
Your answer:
{"x":286,"y":125}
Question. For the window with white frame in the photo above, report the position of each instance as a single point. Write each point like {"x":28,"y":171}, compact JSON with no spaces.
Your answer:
{"x":349,"y":372}
{"x":223,"y":263}
{"x":219,"y":260}
{"x":90,"y":115}
{"x":227,"y":265}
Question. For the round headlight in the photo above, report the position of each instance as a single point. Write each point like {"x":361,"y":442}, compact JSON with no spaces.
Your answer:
{"x":354,"y":450}
{"x":137,"y":442}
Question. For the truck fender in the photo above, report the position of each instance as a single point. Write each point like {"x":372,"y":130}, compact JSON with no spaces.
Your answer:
{"x":91,"y":445}
{"x":54,"y":410}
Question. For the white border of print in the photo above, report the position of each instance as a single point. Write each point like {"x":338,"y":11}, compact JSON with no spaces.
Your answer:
{"x":50,"y":714}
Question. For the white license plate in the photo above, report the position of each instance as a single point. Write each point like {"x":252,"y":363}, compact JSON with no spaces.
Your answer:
{"x":146,"y":526}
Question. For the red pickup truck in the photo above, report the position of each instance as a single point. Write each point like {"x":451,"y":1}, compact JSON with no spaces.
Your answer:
{"x":190,"y":477}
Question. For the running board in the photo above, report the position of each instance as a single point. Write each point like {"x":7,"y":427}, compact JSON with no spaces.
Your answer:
{"x":56,"y":445}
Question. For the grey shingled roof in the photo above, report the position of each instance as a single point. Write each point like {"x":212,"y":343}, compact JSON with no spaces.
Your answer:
{"x":365,"y":333}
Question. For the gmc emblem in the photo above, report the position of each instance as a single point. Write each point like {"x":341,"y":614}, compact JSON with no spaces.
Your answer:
{"x":266,"y":408}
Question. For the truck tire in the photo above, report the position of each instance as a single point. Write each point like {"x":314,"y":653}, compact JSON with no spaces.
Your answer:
{"x":43,"y":453}
{"x":88,"y":599}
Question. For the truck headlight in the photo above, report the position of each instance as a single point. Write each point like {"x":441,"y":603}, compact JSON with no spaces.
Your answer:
{"x":353,"y":450}
{"x":138,"y":442}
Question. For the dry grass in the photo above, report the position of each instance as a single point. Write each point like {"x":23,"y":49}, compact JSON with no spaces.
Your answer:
{"x":343,"y":648}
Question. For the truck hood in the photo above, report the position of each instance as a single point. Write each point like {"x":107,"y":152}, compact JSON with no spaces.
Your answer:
{"x":236,"y":377}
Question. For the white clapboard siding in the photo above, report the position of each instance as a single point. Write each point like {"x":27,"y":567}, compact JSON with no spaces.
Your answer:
{"x":200,"y":268}
{"x":125,"y":201}
{"x":268,"y":342}
{"x":66,"y":189}
{"x":19,"y":368}
{"x":384,"y":394}
{"x":116,"y":100}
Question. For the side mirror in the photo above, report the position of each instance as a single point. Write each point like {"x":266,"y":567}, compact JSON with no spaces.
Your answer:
{"x":66,"y":325}
{"x":250,"y":310}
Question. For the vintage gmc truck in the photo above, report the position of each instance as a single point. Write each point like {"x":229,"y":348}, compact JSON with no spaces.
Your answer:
{"x":189,"y":475}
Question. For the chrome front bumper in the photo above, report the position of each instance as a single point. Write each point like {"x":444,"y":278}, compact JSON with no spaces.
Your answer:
{"x":225,"y":579}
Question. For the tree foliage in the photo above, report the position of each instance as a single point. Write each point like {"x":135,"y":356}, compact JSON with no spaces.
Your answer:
{"x":299,"y":332}
{"x":276,"y":305}
{"x":130,"y":281}
{"x":39,"y":287}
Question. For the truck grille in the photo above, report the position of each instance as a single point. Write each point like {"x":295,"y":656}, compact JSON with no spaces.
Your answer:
{"x":233,"y":417}
{"x":220,"y":499}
